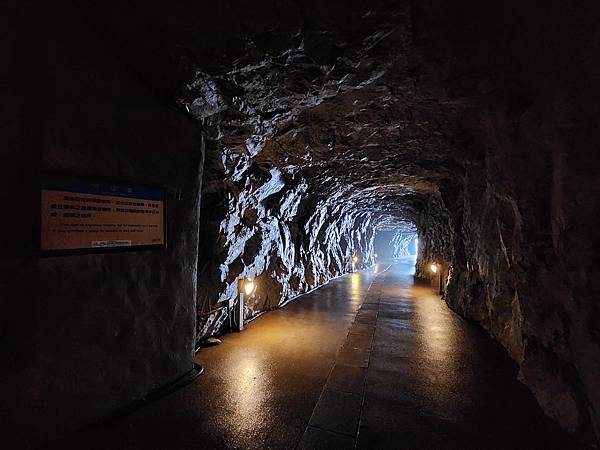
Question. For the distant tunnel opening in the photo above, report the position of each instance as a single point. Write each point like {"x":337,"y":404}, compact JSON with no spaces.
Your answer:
{"x":394,"y":244}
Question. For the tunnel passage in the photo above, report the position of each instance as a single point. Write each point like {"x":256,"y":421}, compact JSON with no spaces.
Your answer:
{"x":396,"y":243}
{"x":289,"y":135}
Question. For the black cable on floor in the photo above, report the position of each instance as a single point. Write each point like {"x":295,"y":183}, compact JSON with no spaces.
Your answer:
{"x":156,"y":394}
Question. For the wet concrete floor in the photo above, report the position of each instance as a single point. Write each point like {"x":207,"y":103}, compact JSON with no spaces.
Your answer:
{"x":367,"y":361}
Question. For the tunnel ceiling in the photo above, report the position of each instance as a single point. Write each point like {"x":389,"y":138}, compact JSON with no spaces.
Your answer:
{"x":336,"y":95}
{"x":322,"y":123}
{"x":340,"y":109}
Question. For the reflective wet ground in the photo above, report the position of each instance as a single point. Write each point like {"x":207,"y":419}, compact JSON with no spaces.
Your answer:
{"x":346,"y":366}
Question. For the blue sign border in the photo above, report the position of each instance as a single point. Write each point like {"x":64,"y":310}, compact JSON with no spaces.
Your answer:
{"x":102,"y":187}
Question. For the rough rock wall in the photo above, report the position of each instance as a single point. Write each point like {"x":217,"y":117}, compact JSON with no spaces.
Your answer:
{"x":519,"y":250}
{"x":289,"y":193}
{"x":436,"y":236}
{"x":83,"y":335}
{"x":273,"y":225}
{"x":401,"y":243}
{"x":523,"y":262}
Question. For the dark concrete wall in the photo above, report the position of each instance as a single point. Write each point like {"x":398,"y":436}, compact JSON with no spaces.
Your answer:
{"x":83,"y":335}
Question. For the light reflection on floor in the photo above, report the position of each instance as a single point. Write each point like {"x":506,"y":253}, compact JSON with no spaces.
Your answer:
{"x":438,"y":336}
{"x":356,"y":287}
{"x":428,"y":382}
{"x":283,"y":357}
{"x":248,"y":394}
{"x":434,"y":329}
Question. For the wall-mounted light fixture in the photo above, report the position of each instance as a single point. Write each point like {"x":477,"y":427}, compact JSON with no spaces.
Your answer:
{"x":354,"y":261}
{"x":249,"y":286}
{"x":246,"y":288}
{"x":434,"y":268}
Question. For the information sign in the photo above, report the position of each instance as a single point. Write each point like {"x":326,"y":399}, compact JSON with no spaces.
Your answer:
{"x":88,"y":214}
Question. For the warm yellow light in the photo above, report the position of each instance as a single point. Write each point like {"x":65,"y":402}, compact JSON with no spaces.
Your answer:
{"x":355,"y":282}
{"x":433,"y":268}
{"x":249,"y":286}
{"x":355,"y":258}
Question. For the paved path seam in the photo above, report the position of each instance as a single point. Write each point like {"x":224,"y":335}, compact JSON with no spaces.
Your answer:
{"x":335,"y":419}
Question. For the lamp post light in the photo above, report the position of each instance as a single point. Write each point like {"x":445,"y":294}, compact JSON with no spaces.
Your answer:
{"x":435,"y":269}
{"x":246,"y":288}
{"x":354,"y":261}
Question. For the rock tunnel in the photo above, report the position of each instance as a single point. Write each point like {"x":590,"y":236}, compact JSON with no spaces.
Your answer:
{"x":289,"y":138}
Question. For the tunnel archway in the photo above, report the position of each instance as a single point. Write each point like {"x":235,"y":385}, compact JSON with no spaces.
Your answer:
{"x":289,"y":138}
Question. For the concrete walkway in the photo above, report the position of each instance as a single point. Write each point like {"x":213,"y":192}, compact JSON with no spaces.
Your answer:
{"x":367,"y":361}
